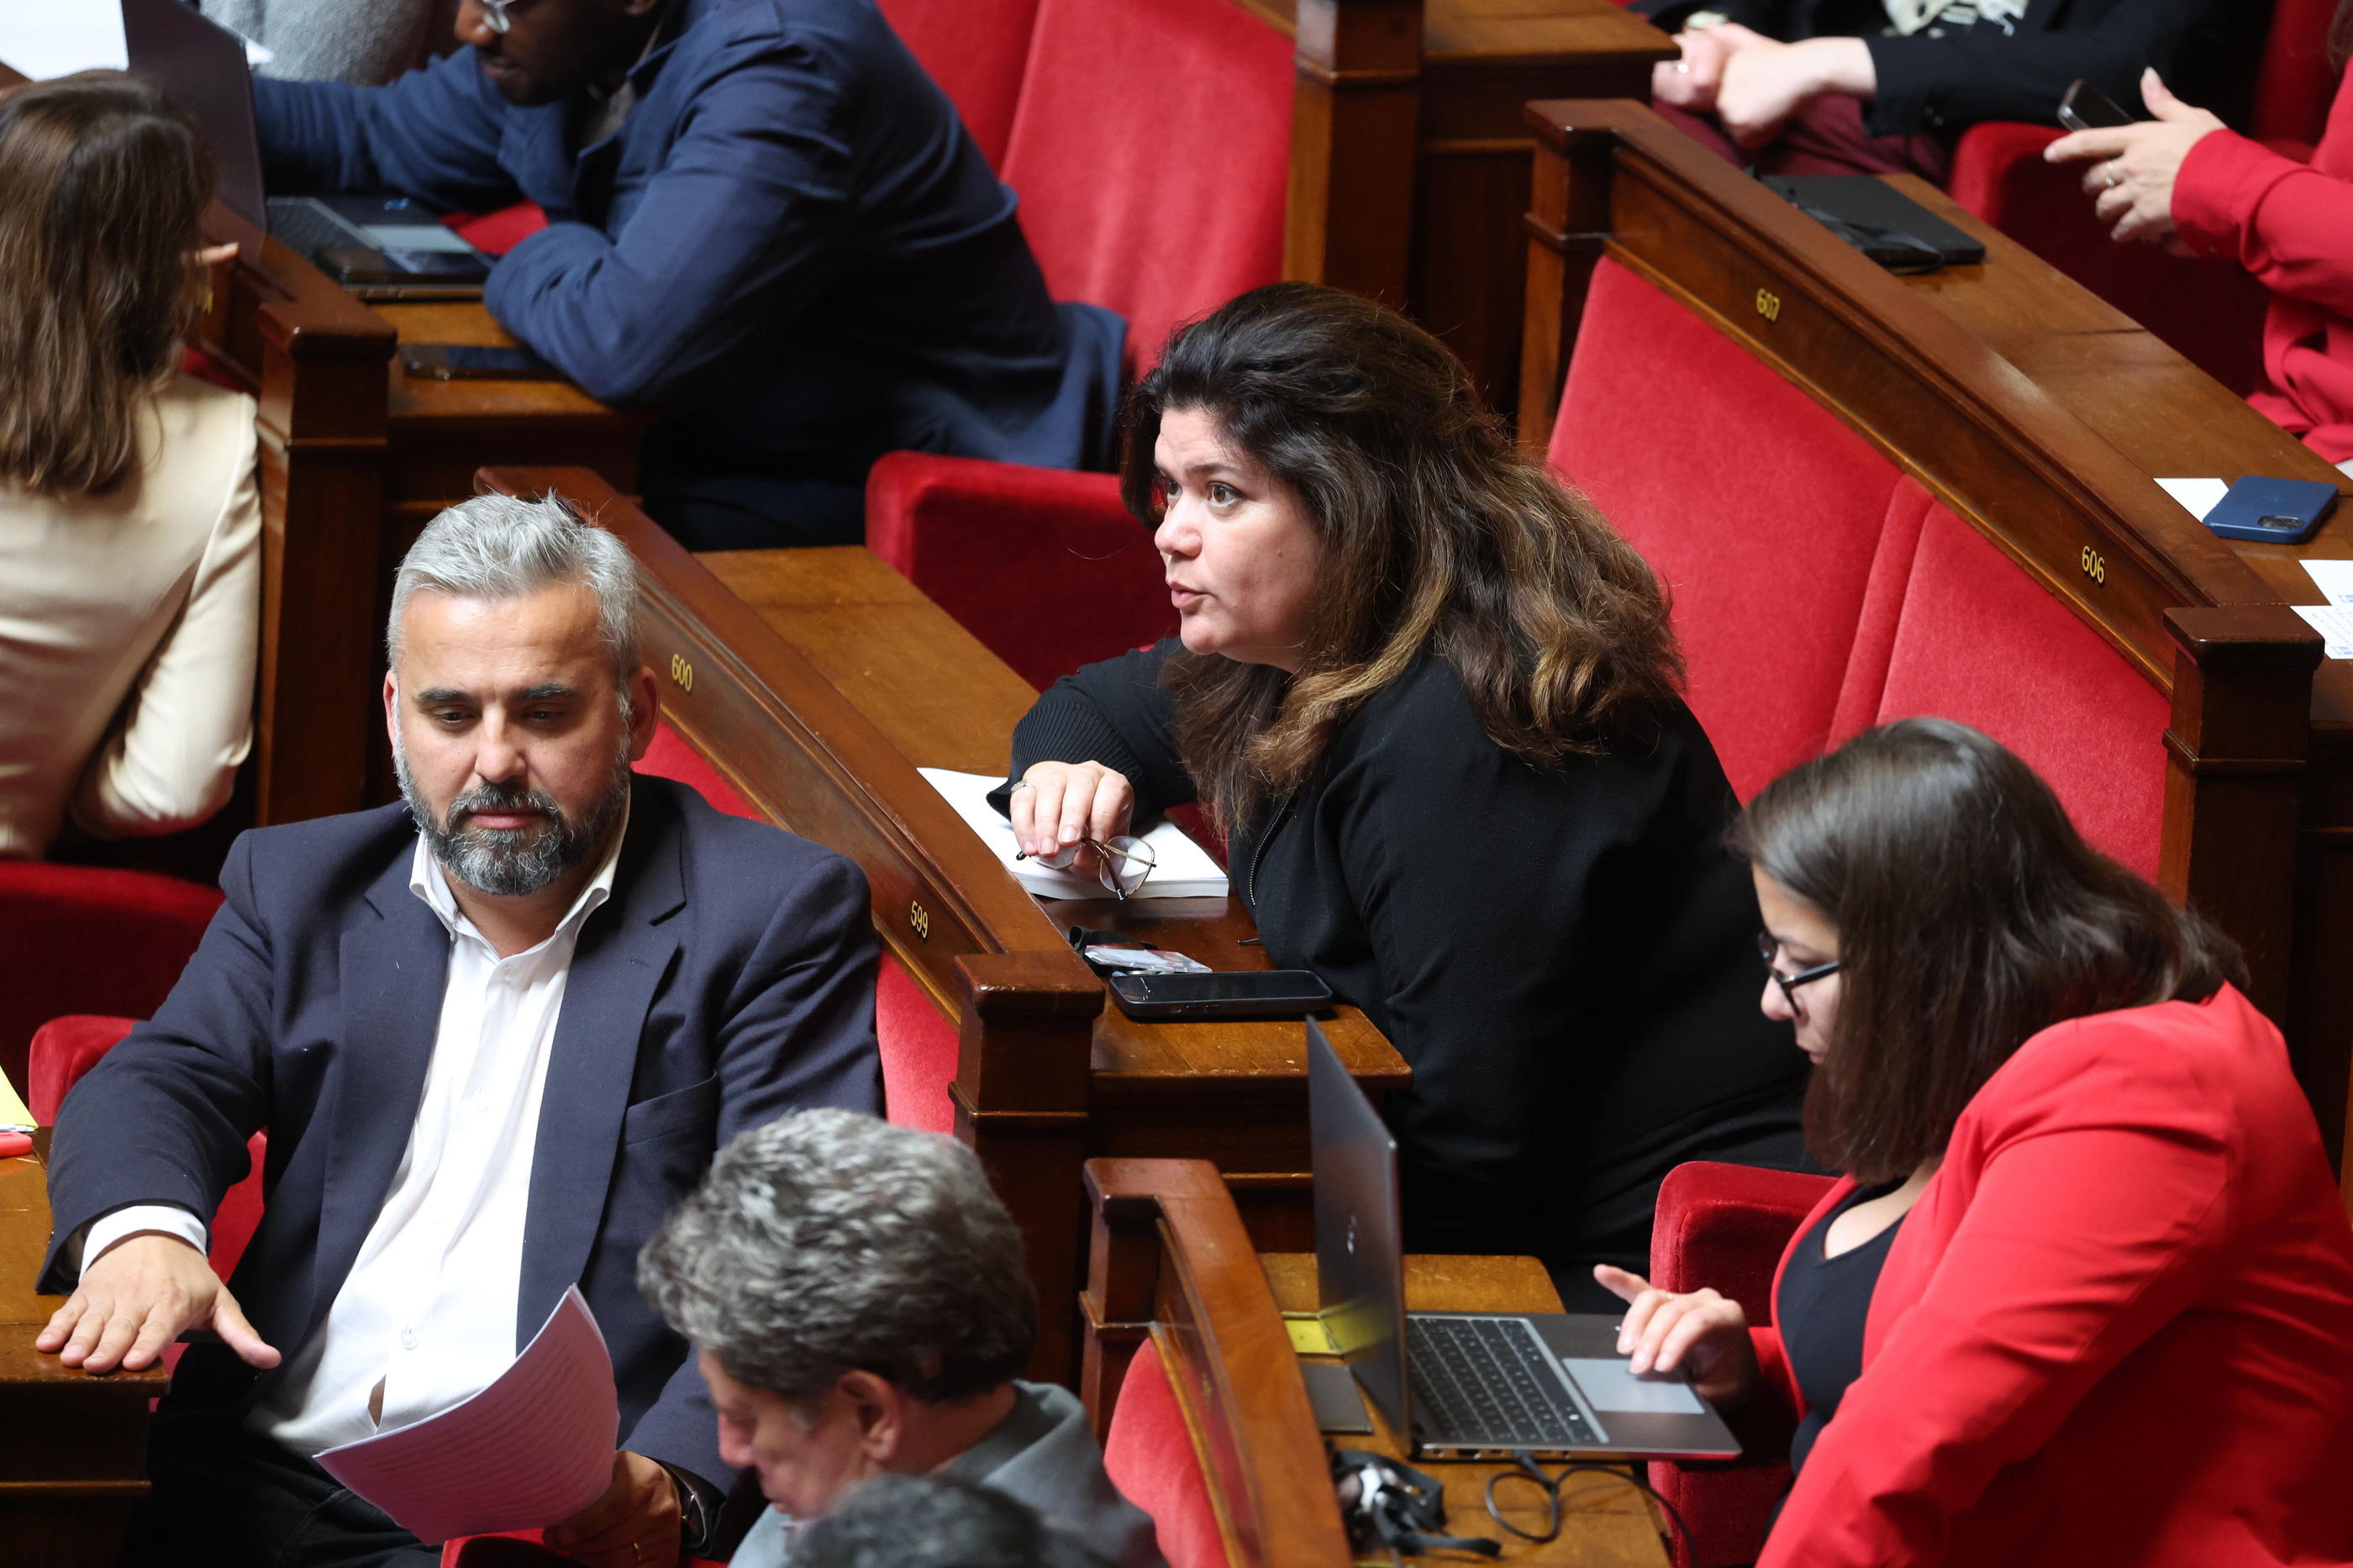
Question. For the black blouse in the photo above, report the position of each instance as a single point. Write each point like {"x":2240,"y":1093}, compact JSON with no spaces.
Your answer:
{"x":1820,"y":1313}
{"x":1565,"y":956}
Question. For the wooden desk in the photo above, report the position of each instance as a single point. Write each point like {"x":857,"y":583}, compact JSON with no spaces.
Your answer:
{"x":73,"y":1448}
{"x":1608,"y":1523}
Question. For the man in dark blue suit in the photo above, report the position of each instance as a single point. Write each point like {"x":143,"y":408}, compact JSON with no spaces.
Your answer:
{"x":763,"y":219}
{"x":494,"y":1032}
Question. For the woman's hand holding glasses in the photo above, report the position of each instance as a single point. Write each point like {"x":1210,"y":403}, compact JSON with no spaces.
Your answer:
{"x":1075,"y":815}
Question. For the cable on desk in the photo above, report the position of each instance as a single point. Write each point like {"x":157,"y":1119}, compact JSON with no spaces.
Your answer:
{"x":1533,"y":1473}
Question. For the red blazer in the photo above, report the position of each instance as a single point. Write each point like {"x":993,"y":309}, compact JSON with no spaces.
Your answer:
{"x":2288,"y":224}
{"x":2116,"y":1328}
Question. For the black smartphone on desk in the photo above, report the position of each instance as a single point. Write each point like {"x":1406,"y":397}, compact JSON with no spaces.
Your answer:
{"x":474,"y":361}
{"x":1253,"y":993}
{"x":2087,"y":108}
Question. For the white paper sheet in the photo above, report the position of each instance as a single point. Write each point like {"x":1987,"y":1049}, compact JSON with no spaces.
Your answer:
{"x":42,"y":38}
{"x":2333,"y":622}
{"x":2198,"y":497}
{"x":1181,"y":868}
{"x":2334,"y":578}
{"x":532,"y":1449}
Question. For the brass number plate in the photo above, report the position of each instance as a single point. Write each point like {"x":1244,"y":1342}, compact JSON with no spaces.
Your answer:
{"x":920,"y":918}
{"x":2095,"y":566}
{"x":1769,"y":304}
{"x":681,"y":673}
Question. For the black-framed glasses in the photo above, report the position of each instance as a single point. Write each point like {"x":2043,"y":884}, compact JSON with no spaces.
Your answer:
{"x":1768,"y":949}
{"x":1121,"y":864}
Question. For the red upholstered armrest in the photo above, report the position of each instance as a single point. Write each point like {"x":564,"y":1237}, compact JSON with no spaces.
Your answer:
{"x":1727,"y":1227}
{"x":1043,"y":566}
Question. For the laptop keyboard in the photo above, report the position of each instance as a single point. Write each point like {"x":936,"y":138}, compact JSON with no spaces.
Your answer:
{"x":1484,"y":1383}
{"x":305,"y":229}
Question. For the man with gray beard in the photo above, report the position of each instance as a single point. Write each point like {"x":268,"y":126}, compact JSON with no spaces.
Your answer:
{"x":495,"y":1032}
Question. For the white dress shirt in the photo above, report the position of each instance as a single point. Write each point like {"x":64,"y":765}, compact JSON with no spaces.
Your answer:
{"x":428,"y":1309}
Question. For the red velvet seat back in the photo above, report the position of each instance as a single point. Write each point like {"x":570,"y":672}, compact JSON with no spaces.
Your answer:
{"x":65,"y":1048}
{"x":1152,"y":153}
{"x":2295,"y":81}
{"x":1757,"y":507}
{"x":977,"y":51}
{"x":1149,"y":1455}
{"x":1726,"y":1226}
{"x":918,"y":1044}
{"x":1982,"y":642}
{"x":75,"y":939}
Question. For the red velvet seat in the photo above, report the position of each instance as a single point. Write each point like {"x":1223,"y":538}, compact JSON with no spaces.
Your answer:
{"x":77,"y":939}
{"x":1726,"y":1226}
{"x":918,"y":1044}
{"x":977,"y":51}
{"x":1149,"y":1455}
{"x":65,"y":1048}
{"x":1757,"y":507}
{"x":2209,"y":311}
{"x":1151,"y":150}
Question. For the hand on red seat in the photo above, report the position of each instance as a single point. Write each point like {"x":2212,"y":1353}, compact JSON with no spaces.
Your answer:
{"x":634,"y":1525}
{"x":140,"y":1296}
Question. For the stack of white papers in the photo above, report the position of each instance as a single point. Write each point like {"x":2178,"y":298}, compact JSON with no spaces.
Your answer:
{"x":532,"y":1449}
{"x":2333,"y":620}
{"x":1181,"y":868}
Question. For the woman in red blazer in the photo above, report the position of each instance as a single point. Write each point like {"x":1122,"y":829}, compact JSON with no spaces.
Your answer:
{"x":2184,"y":178}
{"x":2111,"y":1318}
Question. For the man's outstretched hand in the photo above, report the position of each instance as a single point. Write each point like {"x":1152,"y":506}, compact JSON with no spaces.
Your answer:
{"x":139,"y":1296}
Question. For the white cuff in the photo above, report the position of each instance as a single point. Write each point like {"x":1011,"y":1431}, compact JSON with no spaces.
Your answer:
{"x":137,"y":1219}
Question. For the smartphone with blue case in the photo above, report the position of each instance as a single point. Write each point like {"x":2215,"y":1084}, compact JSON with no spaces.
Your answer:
{"x":2276,"y":511}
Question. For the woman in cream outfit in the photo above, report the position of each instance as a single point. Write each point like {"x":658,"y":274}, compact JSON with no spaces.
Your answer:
{"x":130,"y":520}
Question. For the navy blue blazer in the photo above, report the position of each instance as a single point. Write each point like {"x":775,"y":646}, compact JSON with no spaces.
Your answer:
{"x":728,"y":980}
{"x":791,"y":233}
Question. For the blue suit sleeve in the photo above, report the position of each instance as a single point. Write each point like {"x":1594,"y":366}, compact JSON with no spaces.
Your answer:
{"x":164,"y":1117}
{"x":432,"y":135}
{"x":748,"y":220}
{"x":801,"y":1034}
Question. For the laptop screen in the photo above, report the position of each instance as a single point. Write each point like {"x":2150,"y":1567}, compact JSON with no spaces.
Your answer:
{"x":200,"y":67}
{"x":1359,"y":1239}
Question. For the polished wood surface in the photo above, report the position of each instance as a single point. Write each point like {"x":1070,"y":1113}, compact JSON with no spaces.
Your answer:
{"x":2040,"y":415}
{"x":1169,"y":1261}
{"x":816,"y":681}
{"x":73,"y":1448}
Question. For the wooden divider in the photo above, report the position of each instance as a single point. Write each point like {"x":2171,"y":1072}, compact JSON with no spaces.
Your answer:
{"x":2040,"y":415}
{"x":800,"y":701}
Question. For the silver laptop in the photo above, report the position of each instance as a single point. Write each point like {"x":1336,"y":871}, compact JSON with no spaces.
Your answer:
{"x":380,"y":248}
{"x":1465,"y":1384}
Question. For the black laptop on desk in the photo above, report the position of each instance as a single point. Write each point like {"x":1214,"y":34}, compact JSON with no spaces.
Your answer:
{"x":380,"y":248}
{"x":1466,"y":1384}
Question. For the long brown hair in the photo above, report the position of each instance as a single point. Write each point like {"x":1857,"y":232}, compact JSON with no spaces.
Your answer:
{"x":1437,"y":536}
{"x":101,"y":187}
{"x":1970,"y":914}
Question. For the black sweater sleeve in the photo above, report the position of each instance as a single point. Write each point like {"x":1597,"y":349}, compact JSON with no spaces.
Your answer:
{"x":1114,"y":713}
{"x":1978,"y":73}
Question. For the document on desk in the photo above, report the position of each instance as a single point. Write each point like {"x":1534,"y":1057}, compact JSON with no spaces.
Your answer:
{"x":1180,"y":868}
{"x":62,"y":36}
{"x":534,"y":1449}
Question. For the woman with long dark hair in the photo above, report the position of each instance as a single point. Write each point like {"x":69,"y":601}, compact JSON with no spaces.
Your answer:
{"x":2085,"y":1293}
{"x":130,"y":522}
{"x":2185,"y":179}
{"x":1430,"y":698}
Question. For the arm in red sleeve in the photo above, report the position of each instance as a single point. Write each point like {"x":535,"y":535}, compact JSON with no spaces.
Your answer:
{"x":2098,"y":1216}
{"x":2285,"y":222}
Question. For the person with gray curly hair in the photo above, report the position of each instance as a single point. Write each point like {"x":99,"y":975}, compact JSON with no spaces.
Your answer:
{"x":859,"y":1305}
{"x":496,"y":1031}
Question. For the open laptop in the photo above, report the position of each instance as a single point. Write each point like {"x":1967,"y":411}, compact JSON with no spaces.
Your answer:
{"x":380,"y":248}
{"x":1465,"y":1384}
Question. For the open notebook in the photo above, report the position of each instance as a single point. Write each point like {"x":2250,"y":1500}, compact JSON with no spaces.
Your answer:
{"x":1181,"y":868}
